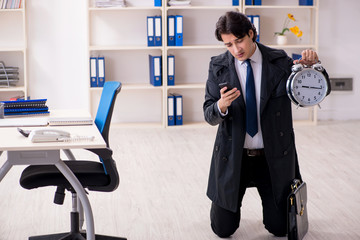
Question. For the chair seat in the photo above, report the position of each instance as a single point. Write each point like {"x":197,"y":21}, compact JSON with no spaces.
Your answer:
{"x":90,"y":174}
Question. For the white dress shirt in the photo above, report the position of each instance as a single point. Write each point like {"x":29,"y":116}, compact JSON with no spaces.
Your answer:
{"x":241,"y":67}
{"x":255,"y":142}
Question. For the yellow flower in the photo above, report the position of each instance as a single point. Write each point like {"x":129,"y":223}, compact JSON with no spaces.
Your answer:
{"x":285,"y":28}
{"x":290,"y":16}
{"x":295,"y":30}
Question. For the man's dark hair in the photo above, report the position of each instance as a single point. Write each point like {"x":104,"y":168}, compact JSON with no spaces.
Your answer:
{"x":234,"y":23}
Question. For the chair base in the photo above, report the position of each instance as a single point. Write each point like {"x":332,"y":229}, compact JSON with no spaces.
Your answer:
{"x":75,"y":233}
{"x":73,"y":236}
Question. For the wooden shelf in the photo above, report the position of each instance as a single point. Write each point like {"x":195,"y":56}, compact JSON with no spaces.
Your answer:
{"x":95,"y":9}
{"x":13,"y":44}
{"x":292,"y":7}
{"x":191,"y":60}
{"x":122,"y":48}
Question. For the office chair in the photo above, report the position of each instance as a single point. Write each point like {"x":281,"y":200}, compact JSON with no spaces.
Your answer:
{"x":95,"y":176}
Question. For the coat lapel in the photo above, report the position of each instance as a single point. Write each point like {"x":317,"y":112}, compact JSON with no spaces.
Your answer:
{"x":270,"y":77}
{"x":234,"y":80}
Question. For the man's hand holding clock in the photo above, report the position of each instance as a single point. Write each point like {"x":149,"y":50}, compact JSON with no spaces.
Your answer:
{"x":307,"y":85}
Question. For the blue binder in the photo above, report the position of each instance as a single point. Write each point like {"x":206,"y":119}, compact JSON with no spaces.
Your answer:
{"x":155,"y":70}
{"x":171,"y":31}
{"x":150,"y":31}
{"x":251,"y":17}
{"x":306,"y":2}
{"x":235,"y":2}
{"x":256,"y":22}
{"x":171,"y":110}
{"x":178,"y":30}
{"x":157,"y":3}
{"x":248,"y":2}
{"x":171,"y":70}
{"x":296,"y":56}
{"x":178,"y":109}
{"x":101,"y":71}
{"x":93,"y":71}
{"x":157,"y":29}
{"x":257,"y":2}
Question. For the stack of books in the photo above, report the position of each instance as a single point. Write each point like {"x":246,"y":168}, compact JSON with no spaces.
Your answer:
{"x":110,"y":3}
{"x":9,"y":76}
{"x":10,"y":4}
{"x":25,"y":107}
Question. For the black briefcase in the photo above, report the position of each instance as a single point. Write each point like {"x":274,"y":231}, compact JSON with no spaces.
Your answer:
{"x":298,"y":223}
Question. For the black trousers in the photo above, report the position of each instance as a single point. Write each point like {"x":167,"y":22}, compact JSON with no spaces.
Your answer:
{"x":254,"y":172}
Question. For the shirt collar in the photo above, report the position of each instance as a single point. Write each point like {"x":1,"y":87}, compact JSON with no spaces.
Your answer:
{"x":256,"y":57}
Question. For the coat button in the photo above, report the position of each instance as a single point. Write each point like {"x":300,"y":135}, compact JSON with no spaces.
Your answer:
{"x":230,"y":118}
{"x":285,"y":152}
{"x":278,"y":114}
{"x":225,"y":159}
{"x":230,"y":138}
{"x":216,"y":148}
{"x":281,"y":134}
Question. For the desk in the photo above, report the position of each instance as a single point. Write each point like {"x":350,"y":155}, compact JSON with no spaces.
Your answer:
{"x":21,"y":151}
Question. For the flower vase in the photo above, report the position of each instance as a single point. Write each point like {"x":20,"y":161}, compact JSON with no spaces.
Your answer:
{"x":281,"y":40}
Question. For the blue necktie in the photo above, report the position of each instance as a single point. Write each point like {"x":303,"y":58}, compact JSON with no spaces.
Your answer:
{"x":251,"y":109}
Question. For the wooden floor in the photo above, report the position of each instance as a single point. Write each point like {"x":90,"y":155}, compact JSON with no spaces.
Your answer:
{"x":164,"y":176}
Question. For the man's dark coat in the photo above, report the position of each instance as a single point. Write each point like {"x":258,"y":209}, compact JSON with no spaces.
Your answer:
{"x":275,"y":121}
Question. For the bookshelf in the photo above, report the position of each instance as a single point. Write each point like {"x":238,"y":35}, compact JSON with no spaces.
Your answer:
{"x":13,"y":49}
{"x":126,"y":53}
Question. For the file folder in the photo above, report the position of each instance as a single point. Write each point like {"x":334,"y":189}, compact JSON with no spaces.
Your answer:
{"x":171,"y":110}
{"x":178,"y":109}
{"x":155,"y":70}
{"x":235,"y":2}
{"x":157,"y":3}
{"x":171,"y":31}
{"x":306,"y":2}
{"x":178,"y":30}
{"x":296,"y":56}
{"x":101,"y":71}
{"x":257,"y":2}
{"x":150,"y":31}
{"x":256,"y":22}
{"x":171,"y":70}
{"x":157,"y":29}
{"x":93,"y":71}
{"x":250,"y":17}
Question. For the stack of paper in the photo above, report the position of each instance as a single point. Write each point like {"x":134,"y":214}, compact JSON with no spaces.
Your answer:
{"x":179,"y":3}
{"x":9,"y":76}
{"x":110,"y":3}
{"x":70,"y":121}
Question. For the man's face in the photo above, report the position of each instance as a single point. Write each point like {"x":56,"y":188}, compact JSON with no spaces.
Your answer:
{"x":240,"y":48}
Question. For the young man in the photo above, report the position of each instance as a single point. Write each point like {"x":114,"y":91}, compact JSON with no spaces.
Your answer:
{"x":255,"y":145}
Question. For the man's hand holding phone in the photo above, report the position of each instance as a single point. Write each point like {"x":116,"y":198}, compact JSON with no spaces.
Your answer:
{"x":228,"y":95}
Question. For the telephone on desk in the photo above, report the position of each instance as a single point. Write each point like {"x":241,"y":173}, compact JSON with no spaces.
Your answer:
{"x":48,"y":135}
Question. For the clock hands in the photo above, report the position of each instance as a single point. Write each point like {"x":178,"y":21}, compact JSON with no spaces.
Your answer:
{"x":311,"y":87}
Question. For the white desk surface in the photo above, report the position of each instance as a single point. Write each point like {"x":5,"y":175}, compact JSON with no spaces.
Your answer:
{"x":12,"y":140}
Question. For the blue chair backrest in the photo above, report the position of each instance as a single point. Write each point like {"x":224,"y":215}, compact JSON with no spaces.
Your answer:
{"x":107,"y":99}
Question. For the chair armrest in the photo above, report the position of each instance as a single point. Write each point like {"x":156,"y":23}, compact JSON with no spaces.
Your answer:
{"x":105,"y":155}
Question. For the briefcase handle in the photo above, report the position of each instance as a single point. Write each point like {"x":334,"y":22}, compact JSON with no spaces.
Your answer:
{"x":296,"y":183}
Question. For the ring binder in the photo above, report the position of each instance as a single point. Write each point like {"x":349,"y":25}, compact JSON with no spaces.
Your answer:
{"x":25,"y":107}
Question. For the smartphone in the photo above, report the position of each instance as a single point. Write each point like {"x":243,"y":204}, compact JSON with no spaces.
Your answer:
{"x":225,"y":84}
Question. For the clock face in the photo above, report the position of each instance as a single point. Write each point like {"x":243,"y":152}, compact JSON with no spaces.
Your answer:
{"x":309,"y":87}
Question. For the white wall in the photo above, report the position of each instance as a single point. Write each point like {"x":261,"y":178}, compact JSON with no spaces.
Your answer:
{"x":57,"y":45}
{"x":57,"y":58}
{"x":339,"y":51}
